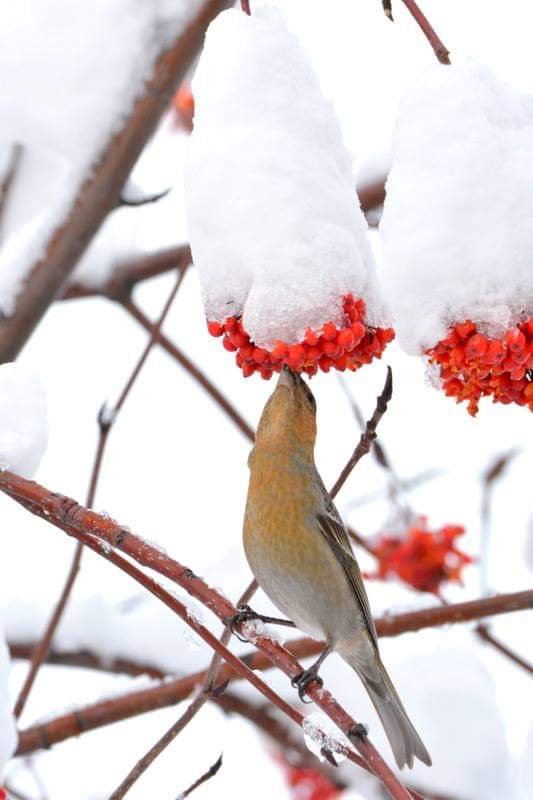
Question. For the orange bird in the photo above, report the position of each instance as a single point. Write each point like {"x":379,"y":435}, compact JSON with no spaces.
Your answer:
{"x":300,"y":554}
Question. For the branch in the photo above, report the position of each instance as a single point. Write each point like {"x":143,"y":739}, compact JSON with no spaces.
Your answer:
{"x":169,"y":693}
{"x":211,"y":772}
{"x":105,"y":422}
{"x":484,"y":633}
{"x":8,"y":178}
{"x":193,"y":371}
{"x":128,"y":273}
{"x":100,"y":192}
{"x":441,"y":51}
{"x":86,"y":525}
{"x":368,"y":435}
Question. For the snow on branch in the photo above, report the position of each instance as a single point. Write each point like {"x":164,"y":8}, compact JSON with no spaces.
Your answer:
{"x":45,"y":253}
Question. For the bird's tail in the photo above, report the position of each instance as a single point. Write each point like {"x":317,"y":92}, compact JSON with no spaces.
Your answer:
{"x":403,"y":738}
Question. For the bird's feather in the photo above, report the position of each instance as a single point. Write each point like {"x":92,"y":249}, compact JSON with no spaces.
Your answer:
{"x":332,"y":527}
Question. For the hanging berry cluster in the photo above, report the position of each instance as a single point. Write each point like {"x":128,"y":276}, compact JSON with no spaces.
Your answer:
{"x":422,"y":558}
{"x":347,"y":347}
{"x":472,"y":365}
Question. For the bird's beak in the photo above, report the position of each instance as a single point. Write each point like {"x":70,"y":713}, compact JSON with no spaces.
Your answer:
{"x":287,"y":378}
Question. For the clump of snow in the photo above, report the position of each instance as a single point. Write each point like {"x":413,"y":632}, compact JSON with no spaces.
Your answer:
{"x":23,"y":420}
{"x":274,"y":225}
{"x":458,"y":221}
{"x":78,"y":66}
{"x":320,"y":732}
{"x":8,"y":731}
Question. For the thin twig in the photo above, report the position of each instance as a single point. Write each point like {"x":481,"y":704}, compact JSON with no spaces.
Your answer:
{"x":387,"y":9}
{"x":441,"y":51}
{"x":188,"y":715}
{"x":490,"y":477}
{"x":131,"y":704}
{"x":211,"y":772}
{"x":105,"y":422}
{"x":245,"y":5}
{"x":8,"y":179}
{"x":368,"y":435}
{"x":193,"y":371}
{"x":484,"y":633}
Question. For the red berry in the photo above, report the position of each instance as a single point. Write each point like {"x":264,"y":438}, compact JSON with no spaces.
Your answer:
{"x":248,"y":369}
{"x":346,"y":338}
{"x":227,"y":343}
{"x":231,"y":325}
{"x":477,"y":346}
{"x":496,"y":352}
{"x":358,"y":330}
{"x":465,"y":329}
{"x":329,"y":332}
{"x":516,"y":340}
{"x":325,"y":364}
{"x":259,"y":354}
{"x":296,"y":356}
{"x":313,"y":354}
{"x":279,"y":350}
{"x":331,"y":349}
{"x":215,"y":328}
{"x":311,"y":338}
{"x":266,"y":373}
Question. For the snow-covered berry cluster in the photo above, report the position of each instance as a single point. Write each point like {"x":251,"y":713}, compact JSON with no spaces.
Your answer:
{"x":472,"y":365}
{"x":346,"y":347}
{"x":422,"y":558}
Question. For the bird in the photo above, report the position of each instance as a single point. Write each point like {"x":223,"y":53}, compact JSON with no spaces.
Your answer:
{"x":299,"y":552}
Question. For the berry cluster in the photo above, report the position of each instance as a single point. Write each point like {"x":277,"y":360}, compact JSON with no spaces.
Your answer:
{"x":348,"y":347}
{"x":473,"y":365}
{"x":422,"y":558}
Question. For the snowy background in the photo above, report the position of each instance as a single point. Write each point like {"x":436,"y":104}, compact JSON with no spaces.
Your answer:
{"x":175,"y":470}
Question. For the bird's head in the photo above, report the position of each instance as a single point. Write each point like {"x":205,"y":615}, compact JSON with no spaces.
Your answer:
{"x":289,"y":412}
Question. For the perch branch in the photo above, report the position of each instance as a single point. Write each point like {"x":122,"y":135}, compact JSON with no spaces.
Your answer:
{"x":169,"y":693}
{"x":441,"y":51}
{"x":86,"y":525}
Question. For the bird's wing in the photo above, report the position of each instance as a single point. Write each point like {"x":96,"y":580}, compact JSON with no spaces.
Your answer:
{"x":332,"y":527}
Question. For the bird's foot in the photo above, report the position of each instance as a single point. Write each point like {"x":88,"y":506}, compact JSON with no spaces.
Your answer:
{"x":247,"y":614}
{"x":304,"y":679}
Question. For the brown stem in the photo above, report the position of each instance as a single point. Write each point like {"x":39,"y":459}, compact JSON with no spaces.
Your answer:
{"x":484,"y":634}
{"x":193,"y":371}
{"x":368,"y":435}
{"x":211,"y":772}
{"x":441,"y":51}
{"x":105,"y":422}
{"x":8,"y":179}
{"x":100,"y":192}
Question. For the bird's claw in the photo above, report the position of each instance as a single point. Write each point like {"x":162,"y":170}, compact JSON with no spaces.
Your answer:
{"x":304,"y":679}
{"x":244,"y":614}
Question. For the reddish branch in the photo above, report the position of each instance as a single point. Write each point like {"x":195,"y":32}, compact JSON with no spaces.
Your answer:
{"x":85,"y":525}
{"x":100,"y":193}
{"x":485,"y":635}
{"x":168,"y":693}
{"x":105,"y":421}
{"x":441,"y":51}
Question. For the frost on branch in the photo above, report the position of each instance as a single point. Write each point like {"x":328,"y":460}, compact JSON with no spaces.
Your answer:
{"x":458,"y":232}
{"x":8,"y":733}
{"x":23,"y":420}
{"x":276,"y":233}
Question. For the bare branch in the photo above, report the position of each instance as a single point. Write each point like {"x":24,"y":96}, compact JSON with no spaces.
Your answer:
{"x":193,"y":371}
{"x":441,"y":51}
{"x":484,"y":633}
{"x":205,"y":777}
{"x":368,"y":435}
{"x":100,"y":192}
